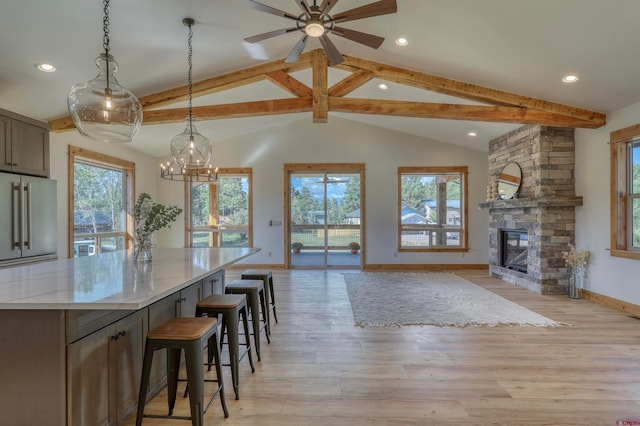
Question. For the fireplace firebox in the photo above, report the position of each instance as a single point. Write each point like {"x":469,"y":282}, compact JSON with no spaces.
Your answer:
{"x":514,"y":249}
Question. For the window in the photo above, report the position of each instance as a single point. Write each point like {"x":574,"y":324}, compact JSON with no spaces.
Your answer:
{"x":100,"y":198}
{"x":432,"y":212}
{"x":221,"y":214}
{"x":625,"y":192}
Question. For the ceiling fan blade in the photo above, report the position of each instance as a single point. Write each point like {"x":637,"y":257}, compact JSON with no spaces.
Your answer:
{"x":333,"y":54}
{"x":264,"y":36}
{"x":327,"y":5}
{"x":370,"y":40}
{"x":297,"y":50}
{"x":304,"y":6}
{"x":382,"y":7}
{"x":272,"y":10}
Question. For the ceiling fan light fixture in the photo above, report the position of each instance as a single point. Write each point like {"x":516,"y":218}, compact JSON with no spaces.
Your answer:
{"x":316,"y":22}
{"x":314,"y":29}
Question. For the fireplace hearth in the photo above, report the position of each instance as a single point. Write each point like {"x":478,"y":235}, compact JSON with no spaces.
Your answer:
{"x":514,"y":249}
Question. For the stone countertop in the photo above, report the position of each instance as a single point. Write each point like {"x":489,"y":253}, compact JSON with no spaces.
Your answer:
{"x":111,"y":280}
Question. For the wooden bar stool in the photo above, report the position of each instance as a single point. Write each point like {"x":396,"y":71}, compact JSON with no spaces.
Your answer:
{"x":190,"y":335}
{"x":233,"y":308}
{"x":270,"y":295}
{"x":254,"y":290}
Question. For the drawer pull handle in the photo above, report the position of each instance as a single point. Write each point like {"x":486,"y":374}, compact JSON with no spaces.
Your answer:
{"x":120,"y":334}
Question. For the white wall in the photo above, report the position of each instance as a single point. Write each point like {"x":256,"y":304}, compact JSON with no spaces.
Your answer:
{"x":339,"y":141}
{"x":147,"y":170}
{"x":610,"y":276}
{"x":344,"y":141}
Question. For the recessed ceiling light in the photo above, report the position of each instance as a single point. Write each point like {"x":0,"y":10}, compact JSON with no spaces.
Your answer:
{"x":472,"y":134}
{"x":382,"y":86}
{"x":46,"y":67}
{"x":570,"y":78}
{"x":401,"y":41}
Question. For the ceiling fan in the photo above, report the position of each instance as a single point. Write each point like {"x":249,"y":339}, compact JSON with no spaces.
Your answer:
{"x":315,"y":21}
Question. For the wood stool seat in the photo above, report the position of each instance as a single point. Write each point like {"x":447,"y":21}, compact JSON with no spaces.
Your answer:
{"x":190,"y":335}
{"x":270,"y":294}
{"x":233,"y":308}
{"x":254,"y":291}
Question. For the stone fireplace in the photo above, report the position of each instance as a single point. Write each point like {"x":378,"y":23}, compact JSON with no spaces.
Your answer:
{"x":544,"y":209}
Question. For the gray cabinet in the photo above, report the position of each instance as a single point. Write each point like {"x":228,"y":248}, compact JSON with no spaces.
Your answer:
{"x":181,"y":304}
{"x":213,"y":284}
{"x":24,"y":145}
{"x":103,"y":372}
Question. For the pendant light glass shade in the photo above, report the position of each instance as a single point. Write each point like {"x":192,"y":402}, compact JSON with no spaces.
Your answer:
{"x":190,"y":149}
{"x":102,"y":109}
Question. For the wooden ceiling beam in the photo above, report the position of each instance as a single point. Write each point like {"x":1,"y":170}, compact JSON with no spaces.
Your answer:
{"x":222,"y":82}
{"x":468,"y":91}
{"x":503,"y":106}
{"x":290,"y":84}
{"x":494,"y":114}
{"x":235,"y":110}
{"x":320,"y":65}
{"x":351,"y":83}
{"x":212,"y":85}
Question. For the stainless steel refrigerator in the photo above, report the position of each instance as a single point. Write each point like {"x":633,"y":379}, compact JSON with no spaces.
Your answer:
{"x":28,"y":218}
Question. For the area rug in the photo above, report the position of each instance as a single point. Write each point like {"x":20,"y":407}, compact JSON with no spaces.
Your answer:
{"x":383,"y":299}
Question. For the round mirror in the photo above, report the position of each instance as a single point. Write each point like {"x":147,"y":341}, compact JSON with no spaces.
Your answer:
{"x":509,"y":181}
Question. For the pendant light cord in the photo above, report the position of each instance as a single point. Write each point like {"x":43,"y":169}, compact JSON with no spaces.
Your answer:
{"x":190,"y":63}
{"x":105,"y":36}
{"x":105,"y":27}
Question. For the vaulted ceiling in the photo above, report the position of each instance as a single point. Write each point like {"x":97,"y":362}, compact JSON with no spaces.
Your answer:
{"x":475,"y":66}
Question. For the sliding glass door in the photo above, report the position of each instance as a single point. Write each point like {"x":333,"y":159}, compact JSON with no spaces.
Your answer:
{"x":325,"y":227}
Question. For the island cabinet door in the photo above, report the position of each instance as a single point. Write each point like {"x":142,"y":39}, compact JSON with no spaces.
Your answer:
{"x":189,"y":298}
{"x":159,"y":312}
{"x":131,"y":336}
{"x":91,"y":398}
{"x":213,"y":284}
{"x":104,"y":370}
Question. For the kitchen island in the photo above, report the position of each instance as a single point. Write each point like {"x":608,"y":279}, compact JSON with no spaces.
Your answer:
{"x":72,"y":331}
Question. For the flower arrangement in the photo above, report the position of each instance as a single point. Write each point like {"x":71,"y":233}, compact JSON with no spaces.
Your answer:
{"x":575,"y":258}
{"x":150,"y":217}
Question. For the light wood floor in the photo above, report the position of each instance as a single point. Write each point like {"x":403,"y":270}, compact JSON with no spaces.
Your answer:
{"x":322,"y":370}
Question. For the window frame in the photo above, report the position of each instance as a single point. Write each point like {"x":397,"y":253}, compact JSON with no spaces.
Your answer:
{"x":229,"y":172}
{"x":101,"y":160}
{"x":464,"y":222}
{"x":621,"y":142}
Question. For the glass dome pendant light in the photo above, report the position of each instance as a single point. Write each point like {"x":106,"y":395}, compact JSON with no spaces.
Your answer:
{"x":190,"y":150}
{"x":101,"y":108}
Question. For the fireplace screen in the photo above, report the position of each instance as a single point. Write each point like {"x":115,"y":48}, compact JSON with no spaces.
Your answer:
{"x":513,"y":253}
